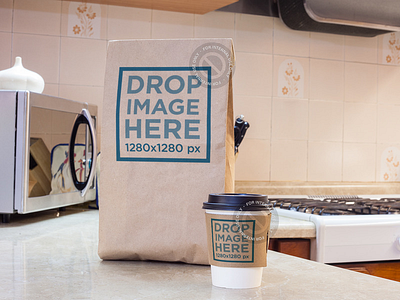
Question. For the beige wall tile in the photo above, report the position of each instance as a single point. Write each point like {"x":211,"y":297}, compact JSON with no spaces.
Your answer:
{"x":388,"y":124}
{"x":253,"y":33}
{"x":288,"y":160}
{"x":253,"y":160}
{"x":256,"y":111}
{"x":39,"y":53}
{"x":361,"y":82}
{"x":291,"y":77}
{"x":324,"y":161}
{"x":214,"y":24}
{"x":361,"y":49}
{"x":290,"y":42}
{"x":169,"y":25}
{"x":326,"y":80}
{"x":315,"y":136}
{"x":51,"y":89}
{"x":360,"y":122}
{"x":388,"y":84}
{"x":89,"y":94}
{"x":289,"y":119}
{"x":82,"y":61}
{"x":253,"y":74}
{"x":5,"y":50}
{"x":327,"y":46}
{"x":325,"y":121}
{"x":6,"y":12}
{"x":37,"y":16}
{"x":128,"y":23}
{"x":359,"y":162}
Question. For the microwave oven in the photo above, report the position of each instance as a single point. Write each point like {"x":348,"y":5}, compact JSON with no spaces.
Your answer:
{"x":48,"y":152}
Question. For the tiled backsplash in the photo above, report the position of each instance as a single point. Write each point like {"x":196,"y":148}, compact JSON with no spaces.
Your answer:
{"x":322,"y":107}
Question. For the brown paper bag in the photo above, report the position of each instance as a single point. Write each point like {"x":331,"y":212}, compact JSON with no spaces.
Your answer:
{"x":167,"y":142}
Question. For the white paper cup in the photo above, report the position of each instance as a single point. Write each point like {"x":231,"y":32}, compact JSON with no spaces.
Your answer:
{"x":237,"y":233}
{"x":236,"y":278}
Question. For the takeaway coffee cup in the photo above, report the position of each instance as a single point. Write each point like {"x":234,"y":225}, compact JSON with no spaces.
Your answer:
{"x":237,"y":237}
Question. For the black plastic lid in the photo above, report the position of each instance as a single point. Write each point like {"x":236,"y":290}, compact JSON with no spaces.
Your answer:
{"x":239,"y":202}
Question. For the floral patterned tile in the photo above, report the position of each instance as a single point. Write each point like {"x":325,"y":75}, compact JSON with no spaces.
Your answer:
{"x":84,"y":20}
{"x":388,"y":163}
{"x":292,"y":77}
{"x":389,"y":48}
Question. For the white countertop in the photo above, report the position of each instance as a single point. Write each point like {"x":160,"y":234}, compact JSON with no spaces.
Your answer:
{"x":43,"y":256}
{"x":292,"y":228}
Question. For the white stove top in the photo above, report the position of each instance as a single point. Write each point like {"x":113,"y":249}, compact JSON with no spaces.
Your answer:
{"x":350,"y":238}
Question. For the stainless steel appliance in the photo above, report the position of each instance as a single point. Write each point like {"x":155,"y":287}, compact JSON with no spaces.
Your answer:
{"x":361,"y":228}
{"x":366,"y":18}
{"x":47,"y":152}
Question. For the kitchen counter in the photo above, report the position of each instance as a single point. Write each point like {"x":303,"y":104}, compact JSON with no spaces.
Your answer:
{"x":53,"y":255}
{"x":283,"y":227}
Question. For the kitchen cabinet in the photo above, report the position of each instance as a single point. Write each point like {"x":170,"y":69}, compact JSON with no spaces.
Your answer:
{"x":186,"y":6}
{"x":301,"y":248}
{"x":291,"y":246}
{"x":385,"y":269}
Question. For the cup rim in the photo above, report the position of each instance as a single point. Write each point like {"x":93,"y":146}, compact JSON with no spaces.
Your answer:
{"x":237,"y":202}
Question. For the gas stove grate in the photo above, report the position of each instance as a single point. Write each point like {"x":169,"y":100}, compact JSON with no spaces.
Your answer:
{"x":339,"y":205}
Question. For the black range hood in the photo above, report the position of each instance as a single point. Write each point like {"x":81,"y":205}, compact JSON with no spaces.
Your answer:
{"x":367,"y":18}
